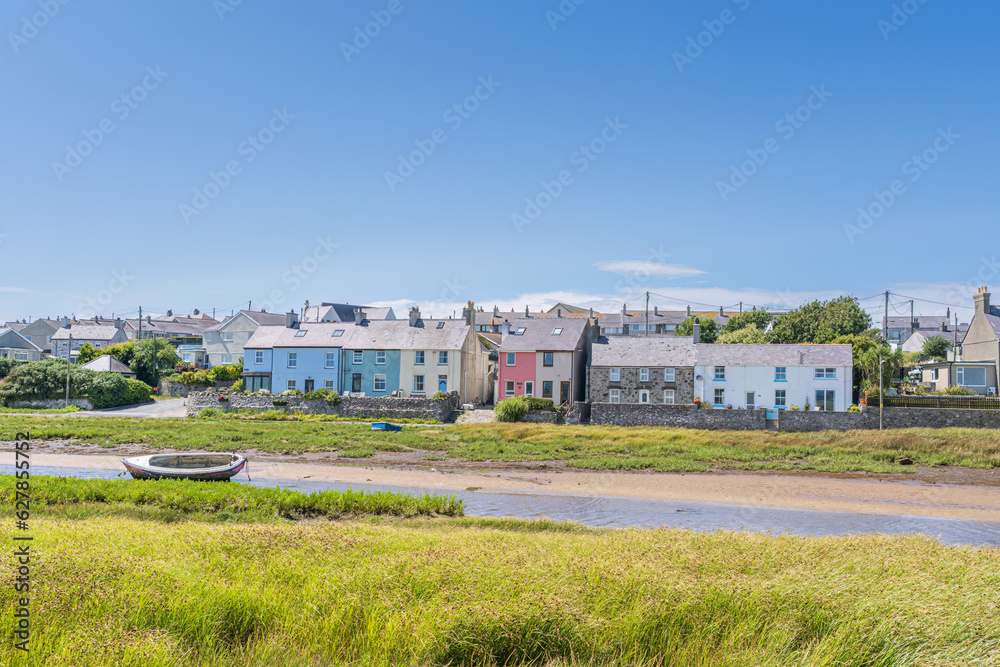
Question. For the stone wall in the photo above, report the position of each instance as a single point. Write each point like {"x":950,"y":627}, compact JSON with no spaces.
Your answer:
{"x":629,"y":385}
{"x":543,"y":417}
{"x":377,"y":407}
{"x":687,"y":416}
{"x":168,"y":388}
{"x":54,"y":403}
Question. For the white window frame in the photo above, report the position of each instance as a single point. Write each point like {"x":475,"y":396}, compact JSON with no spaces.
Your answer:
{"x":557,"y":331}
{"x":669,"y":375}
{"x":615,"y":375}
{"x":720,"y":373}
{"x":359,"y":357}
{"x":258,"y":357}
{"x":644,"y":396}
{"x":615,"y":396}
{"x":293,"y":359}
{"x":781,"y":374}
{"x":20,"y":355}
{"x":780,"y":398}
{"x":825,"y":374}
{"x":715,"y":397}
{"x":960,"y":372}
{"x":418,"y":384}
{"x":418,"y":358}
{"x":511,"y":359}
{"x":378,"y":377}
{"x":329,"y":384}
{"x":529,"y":388}
{"x":227,"y":336}
{"x":935,"y":374}
{"x":509,"y":388}
{"x":380,"y":357}
{"x":227,"y":359}
{"x":330,"y":360}
{"x":443,"y":358}
{"x":290,"y":385}
{"x":643,"y":375}
{"x":668,"y":397}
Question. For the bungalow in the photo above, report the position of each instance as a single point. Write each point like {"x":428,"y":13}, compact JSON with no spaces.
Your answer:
{"x":981,"y":344}
{"x":545,"y":358}
{"x":14,"y":345}
{"x":108,"y":364}
{"x":99,"y":336}
{"x":304,"y":356}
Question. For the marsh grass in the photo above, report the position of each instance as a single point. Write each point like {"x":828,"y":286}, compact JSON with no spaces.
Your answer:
{"x":118,"y":591}
{"x":588,"y":447}
{"x":175,"y":500}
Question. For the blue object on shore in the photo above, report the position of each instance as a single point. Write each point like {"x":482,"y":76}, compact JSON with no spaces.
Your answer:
{"x":385,"y":426}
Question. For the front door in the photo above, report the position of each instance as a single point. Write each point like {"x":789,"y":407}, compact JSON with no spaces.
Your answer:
{"x":443,"y":383}
{"x":356,"y":382}
{"x":310,"y":385}
{"x":751,"y":399}
{"x":564,"y":392}
{"x":529,"y":388}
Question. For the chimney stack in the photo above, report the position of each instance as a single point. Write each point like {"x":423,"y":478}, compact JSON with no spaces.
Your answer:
{"x":689,"y":311}
{"x":948,"y":316}
{"x":558,"y":312}
{"x":696,"y":331}
{"x":170,"y":313}
{"x":291,"y":320}
{"x":470,"y":314}
{"x":624,"y":312}
{"x":414,"y":316}
{"x":526,"y":313}
{"x":119,"y":324}
{"x":496,"y":312}
{"x":359,"y":316}
{"x":197,"y":312}
{"x":505,"y":329}
{"x":982,"y":300}
{"x":656,"y":311}
{"x":591,"y":313}
{"x":721,"y":312}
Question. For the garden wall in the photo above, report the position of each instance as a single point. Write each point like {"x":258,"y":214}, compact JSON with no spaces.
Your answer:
{"x":378,"y":407}
{"x":687,"y":416}
{"x":54,"y":403}
{"x":168,"y":388}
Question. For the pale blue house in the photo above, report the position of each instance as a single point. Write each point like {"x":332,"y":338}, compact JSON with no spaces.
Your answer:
{"x":304,"y":356}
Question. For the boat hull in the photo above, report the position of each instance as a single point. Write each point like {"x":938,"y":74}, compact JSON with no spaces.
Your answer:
{"x":140,"y":468}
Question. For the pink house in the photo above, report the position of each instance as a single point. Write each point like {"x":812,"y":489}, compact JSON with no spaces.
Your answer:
{"x":544,"y":357}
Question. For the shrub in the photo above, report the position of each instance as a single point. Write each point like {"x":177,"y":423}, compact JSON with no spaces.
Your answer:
{"x":291,"y":392}
{"x":854,"y":408}
{"x":329,"y":395}
{"x":138,"y":392}
{"x":513,"y":409}
{"x":185,"y":368}
{"x":226,"y":373}
{"x":237,"y":386}
{"x":210,"y":412}
{"x":7,"y":365}
{"x":439,"y":396}
{"x":109,"y":391}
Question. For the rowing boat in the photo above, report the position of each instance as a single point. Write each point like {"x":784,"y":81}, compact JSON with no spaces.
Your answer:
{"x":185,"y":466}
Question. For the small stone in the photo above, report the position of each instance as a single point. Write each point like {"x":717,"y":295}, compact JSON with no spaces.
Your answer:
{"x":905,"y":462}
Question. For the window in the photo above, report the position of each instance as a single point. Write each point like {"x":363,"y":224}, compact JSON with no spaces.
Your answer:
{"x":20,"y":355}
{"x":720,"y":372}
{"x":720,"y":397}
{"x":227,"y":358}
{"x":258,"y":357}
{"x":616,"y":375}
{"x":328,"y":384}
{"x":557,"y":331}
{"x":779,"y":374}
{"x":612,"y":331}
{"x":331,"y":359}
{"x":547,"y":389}
{"x":227,"y":336}
{"x":418,"y":358}
{"x":440,"y":325}
{"x":301,"y":333}
{"x":825,"y":374}
{"x":635,"y":327}
{"x":546,"y":358}
{"x":614,"y":396}
{"x":187,"y":356}
{"x":509,"y":389}
{"x":337,"y":333}
{"x":971,"y":377}
{"x":290,"y":385}
{"x":643,"y":375}
{"x":379,"y":384}
{"x":529,"y":388}
{"x":418,"y":384}
{"x":48,"y":339}
{"x":668,"y":396}
{"x":644,"y":396}
{"x":668,"y":374}
{"x":751,"y":400}
{"x":520,"y":331}
{"x":380,"y":357}
{"x":359,"y":356}
{"x":825,"y":400}
{"x":442,"y":358}
{"x":935,"y":375}
{"x":293,"y":359}
{"x":511,"y":358}
{"x":779,"y":398}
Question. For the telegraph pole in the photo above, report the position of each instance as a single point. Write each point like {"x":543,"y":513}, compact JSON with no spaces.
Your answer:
{"x":138,"y":335}
{"x":885,"y":319}
{"x":69,"y":351}
{"x":647,"y":313}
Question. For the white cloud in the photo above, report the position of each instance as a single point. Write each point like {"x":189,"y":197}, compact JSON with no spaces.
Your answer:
{"x":13,"y":289}
{"x":641,"y":267}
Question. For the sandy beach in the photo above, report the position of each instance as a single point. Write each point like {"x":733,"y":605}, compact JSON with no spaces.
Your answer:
{"x":978,"y":499}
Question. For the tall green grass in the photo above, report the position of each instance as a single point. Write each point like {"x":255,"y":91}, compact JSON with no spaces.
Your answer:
{"x":215,"y":501}
{"x":114,"y":591}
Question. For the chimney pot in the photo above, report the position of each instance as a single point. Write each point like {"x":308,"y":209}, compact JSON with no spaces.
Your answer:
{"x":197,"y":312}
{"x":656,"y":310}
{"x":291,"y":319}
{"x":414,"y":316}
{"x":689,"y":311}
{"x":526,"y":313}
{"x":359,"y":316}
{"x":696,"y":332}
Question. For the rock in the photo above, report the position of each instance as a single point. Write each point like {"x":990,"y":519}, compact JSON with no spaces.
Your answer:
{"x":905,"y":462}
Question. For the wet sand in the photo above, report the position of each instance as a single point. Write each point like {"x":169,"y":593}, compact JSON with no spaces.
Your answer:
{"x":951,"y":493}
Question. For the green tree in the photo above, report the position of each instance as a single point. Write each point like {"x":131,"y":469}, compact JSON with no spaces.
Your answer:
{"x":821,"y":322}
{"x":709,"y":328}
{"x":759,"y":319}
{"x":87,"y":353}
{"x":865,"y":351}
{"x":745,"y":336}
{"x":936,"y":346}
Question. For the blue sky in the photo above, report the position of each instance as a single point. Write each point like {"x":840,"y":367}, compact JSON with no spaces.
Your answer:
{"x":303,"y":124}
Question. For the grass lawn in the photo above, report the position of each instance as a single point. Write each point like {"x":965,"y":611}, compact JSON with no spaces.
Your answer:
{"x":117,"y":590}
{"x":45,"y":411}
{"x":588,"y":447}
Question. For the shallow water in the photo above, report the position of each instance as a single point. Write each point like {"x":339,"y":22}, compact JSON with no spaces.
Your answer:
{"x":618,"y":512}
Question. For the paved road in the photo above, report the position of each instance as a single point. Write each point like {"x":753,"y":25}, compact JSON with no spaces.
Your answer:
{"x":173,"y":407}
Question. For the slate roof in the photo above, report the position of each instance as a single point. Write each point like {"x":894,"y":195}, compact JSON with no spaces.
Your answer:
{"x":259,"y":317}
{"x":108,"y":364}
{"x":994,"y":319}
{"x":318,"y":334}
{"x":399,"y":335}
{"x":344,"y":312}
{"x":86,"y":332}
{"x":16,"y":326}
{"x":643,"y":351}
{"x":538,"y":334}
{"x":11,"y":338}
{"x":774,"y":355}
